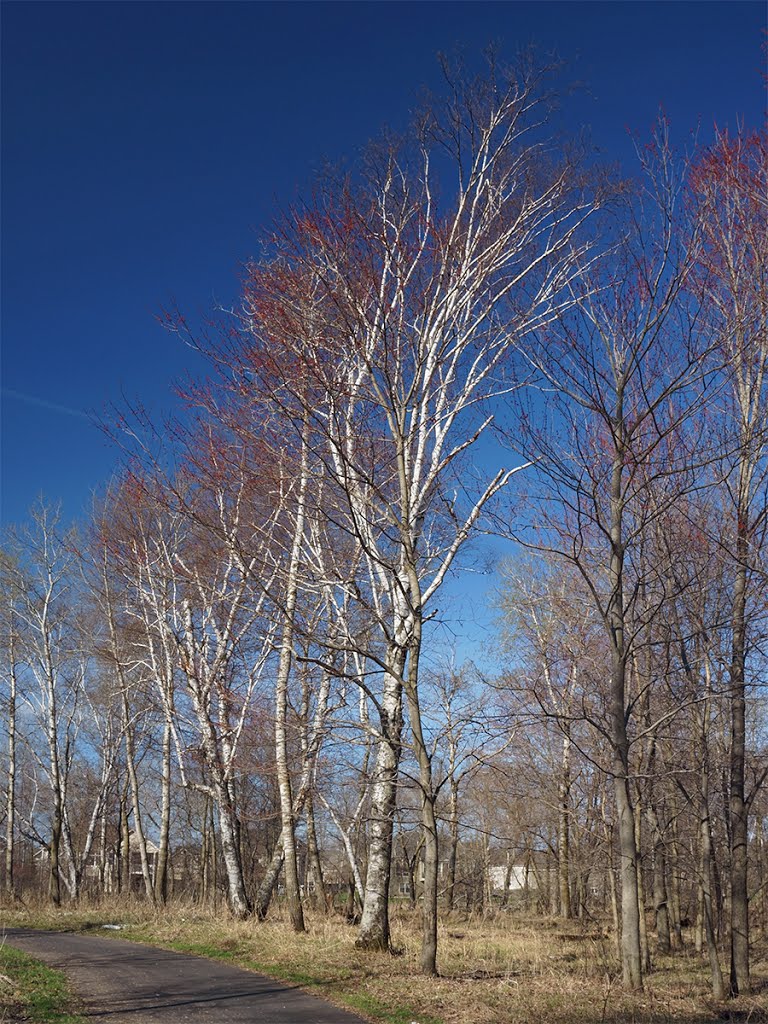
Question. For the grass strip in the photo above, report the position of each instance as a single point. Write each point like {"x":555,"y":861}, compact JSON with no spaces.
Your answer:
{"x":362,"y":1002}
{"x":373,"y":1007}
{"x":36,"y":994}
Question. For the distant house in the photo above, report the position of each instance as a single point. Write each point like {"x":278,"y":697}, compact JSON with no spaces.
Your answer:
{"x":501,"y":878}
{"x":512,"y":878}
{"x":153,"y":853}
{"x":136,"y":877}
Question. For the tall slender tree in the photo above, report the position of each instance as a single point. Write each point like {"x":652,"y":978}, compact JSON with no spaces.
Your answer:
{"x":619,"y":381}
{"x":731,"y":184}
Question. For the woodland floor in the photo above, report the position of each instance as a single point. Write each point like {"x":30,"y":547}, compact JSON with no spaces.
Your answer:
{"x":512,"y":969}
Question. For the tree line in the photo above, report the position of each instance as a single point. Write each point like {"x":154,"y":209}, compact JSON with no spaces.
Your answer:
{"x":231,"y":673}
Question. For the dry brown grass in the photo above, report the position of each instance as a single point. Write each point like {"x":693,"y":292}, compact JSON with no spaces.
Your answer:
{"x":510,"y":970}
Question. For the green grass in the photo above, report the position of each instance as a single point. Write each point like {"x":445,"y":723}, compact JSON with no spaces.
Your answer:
{"x":372,"y":1007}
{"x":38,"y":995}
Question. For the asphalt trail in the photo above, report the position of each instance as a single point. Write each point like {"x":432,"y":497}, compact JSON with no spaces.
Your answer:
{"x":126,"y":983}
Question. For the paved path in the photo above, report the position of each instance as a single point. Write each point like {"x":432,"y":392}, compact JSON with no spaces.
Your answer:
{"x":127,"y":983}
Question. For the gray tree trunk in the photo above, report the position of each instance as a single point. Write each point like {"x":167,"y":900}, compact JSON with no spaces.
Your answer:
{"x":314,"y":872}
{"x":660,"y":899}
{"x":739,"y":974}
{"x":705,"y":844}
{"x":564,"y":831}
{"x":428,"y":958}
{"x":124,"y":863}
{"x":631,"y":954}
{"x":453,"y":843}
{"x":161,"y":869}
{"x":374,"y":923}
{"x":230,"y":849}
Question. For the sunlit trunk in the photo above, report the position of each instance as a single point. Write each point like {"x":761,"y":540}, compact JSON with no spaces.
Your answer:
{"x":428,"y":958}
{"x":230,"y":849}
{"x":374,"y":923}
{"x":161,"y":869}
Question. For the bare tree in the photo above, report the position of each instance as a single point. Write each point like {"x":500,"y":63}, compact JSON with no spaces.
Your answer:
{"x":549,"y":620}
{"x":731,"y":183}
{"x":11,"y":590}
{"x":621,"y":379}
{"x":190,"y":577}
{"x":105,"y":589}
{"x":52,"y":662}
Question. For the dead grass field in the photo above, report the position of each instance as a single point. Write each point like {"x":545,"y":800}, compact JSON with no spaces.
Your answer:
{"x":509,"y":970}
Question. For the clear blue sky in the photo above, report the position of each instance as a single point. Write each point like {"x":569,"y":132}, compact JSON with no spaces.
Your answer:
{"x":144,"y":144}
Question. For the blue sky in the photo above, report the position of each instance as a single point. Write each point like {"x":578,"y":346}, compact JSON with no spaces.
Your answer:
{"x":144,"y":145}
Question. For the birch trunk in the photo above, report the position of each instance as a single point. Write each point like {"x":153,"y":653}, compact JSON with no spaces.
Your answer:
{"x":161,"y":869}
{"x":428,"y":958}
{"x":124,"y":862}
{"x":564,"y":810}
{"x":292,"y":884}
{"x":453,"y":847}
{"x":57,"y":823}
{"x":374,"y":923}
{"x":269,"y":881}
{"x":230,"y":850}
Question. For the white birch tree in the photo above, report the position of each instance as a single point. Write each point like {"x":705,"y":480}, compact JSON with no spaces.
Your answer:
{"x":399,"y":300}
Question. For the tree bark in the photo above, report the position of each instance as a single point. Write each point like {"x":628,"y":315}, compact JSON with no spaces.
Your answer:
{"x":124,"y":862}
{"x":57,"y":823}
{"x":564,"y":831}
{"x":705,"y":845}
{"x":645,"y":951}
{"x":314,"y":872}
{"x":660,"y":899}
{"x":230,"y":849}
{"x":739,"y":973}
{"x":631,"y":956}
{"x":161,"y":868}
{"x":453,"y":843}
{"x":290,"y":860}
{"x":428,"y":959}
{"x":374,"y":923}
{"x":675,"y":913}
